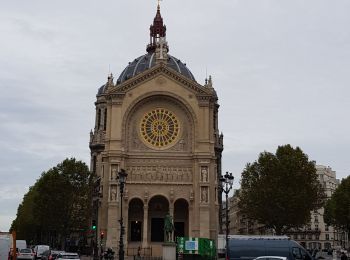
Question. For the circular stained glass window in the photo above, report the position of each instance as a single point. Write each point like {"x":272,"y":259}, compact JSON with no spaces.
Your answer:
{"x":159,"y":128}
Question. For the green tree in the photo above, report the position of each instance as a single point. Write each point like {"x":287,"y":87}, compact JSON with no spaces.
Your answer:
{"x":337,"y":209}
{"x":25,"y":224}
{"x":279,"y":190}
{"x":57,"y":205}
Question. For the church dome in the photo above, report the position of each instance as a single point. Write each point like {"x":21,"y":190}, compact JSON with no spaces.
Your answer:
{"x":147,"y":61}
{"x":157,"y":52}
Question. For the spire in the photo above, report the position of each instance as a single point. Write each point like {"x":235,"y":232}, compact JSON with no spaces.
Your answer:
{"x":157,"y":31}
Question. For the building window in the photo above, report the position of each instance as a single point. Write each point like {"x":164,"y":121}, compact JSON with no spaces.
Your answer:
{"x":302,"y":236}
{"x":316,"y":219}
{"x":327,"y":236}
{"x":105,"y":120}
{"x":94,"y":162}
{"x":98,"y":118}
{"x":309,"y":237}
{"x":327,"y":228}
{"x":317,"y":237}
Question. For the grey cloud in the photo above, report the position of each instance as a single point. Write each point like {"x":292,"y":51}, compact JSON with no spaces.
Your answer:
{"x":280,"y":69}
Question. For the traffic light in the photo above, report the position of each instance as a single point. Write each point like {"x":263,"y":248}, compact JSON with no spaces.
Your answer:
{"x":93,"y":225}
{"x":102,"y":235}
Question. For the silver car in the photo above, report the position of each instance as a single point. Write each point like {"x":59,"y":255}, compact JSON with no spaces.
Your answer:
{"x":25,"y":253}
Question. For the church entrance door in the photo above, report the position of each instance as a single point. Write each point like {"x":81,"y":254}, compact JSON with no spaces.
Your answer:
{"x":181,"y":223}
{"x":136,"y":217}
{"x":158,"y":208}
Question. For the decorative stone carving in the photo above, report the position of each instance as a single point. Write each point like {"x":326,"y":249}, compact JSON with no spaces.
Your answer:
{"x":171,"y":194}
{"x":191,"y":195}
{"x":161,"y":80}
{"x":98,"y":137}
{"x":204,"y":173}
{"x":114,"y":172}
{"x":113,"y":193}
{"x":204,"y":195}
{"x":156,"y":173}
{"x":126,"y":195}
{"x":146,"y":195}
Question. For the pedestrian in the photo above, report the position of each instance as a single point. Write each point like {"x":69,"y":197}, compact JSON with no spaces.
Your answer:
{"x":138,"y":253}
{"x":343,"y":256}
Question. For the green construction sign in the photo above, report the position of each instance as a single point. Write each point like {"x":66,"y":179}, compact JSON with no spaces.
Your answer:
{"x":196,"y":246}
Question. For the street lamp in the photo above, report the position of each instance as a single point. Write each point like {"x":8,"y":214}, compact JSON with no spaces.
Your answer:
{"x":226,"y":185}
{"x":122,"y":178}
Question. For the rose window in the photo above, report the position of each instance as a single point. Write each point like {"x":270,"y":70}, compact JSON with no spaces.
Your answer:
{"x":159,"y":127}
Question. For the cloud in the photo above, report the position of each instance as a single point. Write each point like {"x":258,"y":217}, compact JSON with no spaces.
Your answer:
{"x":280,"y":69}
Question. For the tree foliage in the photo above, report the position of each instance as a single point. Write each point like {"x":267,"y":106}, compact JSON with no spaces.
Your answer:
{"x":57,"y":205}
{"x":279,"y":190}
{"x":337,"y":209}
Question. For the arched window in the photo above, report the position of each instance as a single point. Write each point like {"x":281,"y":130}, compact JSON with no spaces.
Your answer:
{"x":98,"y":118}
{"x":105,"y":120}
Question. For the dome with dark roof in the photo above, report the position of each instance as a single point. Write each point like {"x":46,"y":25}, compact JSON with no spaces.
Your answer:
{"x":157,"y":51}
{"x":147,"y":61}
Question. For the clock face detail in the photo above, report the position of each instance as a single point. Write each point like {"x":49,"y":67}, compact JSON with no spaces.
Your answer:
{"x":159,"y":128}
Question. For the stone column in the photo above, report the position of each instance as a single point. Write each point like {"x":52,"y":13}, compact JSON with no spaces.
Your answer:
{"x":145,"y":226}
{"x":190,"y":219}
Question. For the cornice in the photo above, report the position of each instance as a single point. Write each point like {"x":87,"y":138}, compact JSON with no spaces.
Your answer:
{"x":160,"y":69}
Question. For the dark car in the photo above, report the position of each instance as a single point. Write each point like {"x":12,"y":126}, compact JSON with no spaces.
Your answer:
{"x":250,"y":247}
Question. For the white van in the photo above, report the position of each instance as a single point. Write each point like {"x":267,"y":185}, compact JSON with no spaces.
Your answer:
{"x":39,"y":250}
{"x":21,"y":244}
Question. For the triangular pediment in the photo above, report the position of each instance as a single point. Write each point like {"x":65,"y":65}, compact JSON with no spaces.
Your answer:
{"x":160,"y":70}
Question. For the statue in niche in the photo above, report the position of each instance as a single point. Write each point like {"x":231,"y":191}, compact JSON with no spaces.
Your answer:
{"x":113,"y":193}
{"x":204,"y":195}
{"x":191,"y":195}
{"x":114,"y":175}
{"x":204,"y":173}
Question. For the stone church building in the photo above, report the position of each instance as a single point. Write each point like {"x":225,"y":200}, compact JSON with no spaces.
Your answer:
{"x":160,"y":125}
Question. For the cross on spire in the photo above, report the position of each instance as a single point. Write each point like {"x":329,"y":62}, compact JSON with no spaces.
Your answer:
{"x":159,"y":3}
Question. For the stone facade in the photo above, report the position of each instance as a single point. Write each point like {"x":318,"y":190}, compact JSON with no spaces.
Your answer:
{"x":317,"y":235}
{"x":162,"y":128}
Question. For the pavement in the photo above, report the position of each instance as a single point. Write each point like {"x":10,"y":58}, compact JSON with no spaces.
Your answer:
{"x":84,"y":257}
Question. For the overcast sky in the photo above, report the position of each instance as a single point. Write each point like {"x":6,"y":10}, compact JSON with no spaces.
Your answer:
{"x":280,"y":68}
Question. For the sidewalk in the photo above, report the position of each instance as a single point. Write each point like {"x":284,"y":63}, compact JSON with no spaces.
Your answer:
{"x":84,"y":257}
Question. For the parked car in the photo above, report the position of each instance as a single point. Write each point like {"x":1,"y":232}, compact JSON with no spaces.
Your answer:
{"x":39,"y":250}
{"x":25,"y":253}
{"x":50,"y":254}
{"x":67,"y":256}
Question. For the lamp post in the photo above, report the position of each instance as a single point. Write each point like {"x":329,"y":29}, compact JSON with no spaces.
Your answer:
{"x":226,"y":185}
{"x":122,"y":178}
